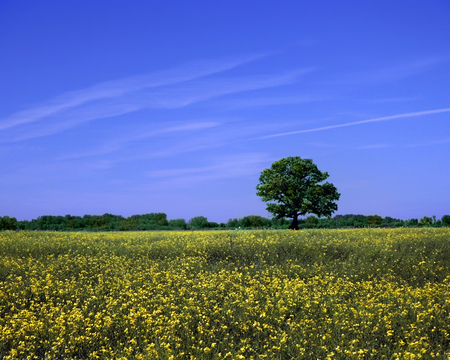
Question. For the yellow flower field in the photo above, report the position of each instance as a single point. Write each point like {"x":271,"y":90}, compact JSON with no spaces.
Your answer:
{"x":318,"y":294}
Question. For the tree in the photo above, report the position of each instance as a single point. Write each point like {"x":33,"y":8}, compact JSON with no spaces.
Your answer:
{"x":446,"y":220}
{"x":425,"y":221}
{"x":374,"y":220}
{"x":8,"y":223}
{"x":179,"y":224}
{"x":254,"y":221}
{"x":312,"y":221}
{"x":295,"y":187}
{"x":198,"y":222}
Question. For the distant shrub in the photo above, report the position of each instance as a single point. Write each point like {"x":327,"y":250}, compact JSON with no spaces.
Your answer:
{"x":426,"y":221}
{"x":412,"y":222}
{"x":8,"y":223}
{"x":198,"y":222}
{"x":177,"y":224}
{"x":374,"y":220}
{"x":254,"y":221}
{"x":311,"y":221}
{"x":445,"y":220}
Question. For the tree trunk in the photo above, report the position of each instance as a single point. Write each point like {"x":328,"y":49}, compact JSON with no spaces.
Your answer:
{"x":294,"y":223}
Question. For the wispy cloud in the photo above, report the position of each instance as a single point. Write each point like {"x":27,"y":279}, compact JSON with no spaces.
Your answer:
{"x":321,"y":144}
{"x":394,"y":72}
{"x":199,"y":90}
{"x":68,"y":114}
{"x":390,"y":100}
{"x":224,"y":134}
{"x":118,"y":88}
{"x":237,"y":165}
{"x":273,"y":100}
{"x":384,"y":118}
{"x":374,"y":146}
{"x":119,"y":143}
{"x":431,"y":143}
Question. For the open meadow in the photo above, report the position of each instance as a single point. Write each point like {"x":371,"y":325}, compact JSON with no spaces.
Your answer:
{"x":311,"y":294}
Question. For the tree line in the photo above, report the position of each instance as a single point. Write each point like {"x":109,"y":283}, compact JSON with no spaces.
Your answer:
{"x":292,"y":187}
{"x":158,"y":221}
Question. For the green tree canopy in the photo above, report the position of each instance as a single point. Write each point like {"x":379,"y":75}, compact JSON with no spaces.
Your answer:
{"x":294,"y":186}
{"x":199,"y":222}
{"x":8,"y":223}
{"x":374,"y":220}
{"x":446,"y":220}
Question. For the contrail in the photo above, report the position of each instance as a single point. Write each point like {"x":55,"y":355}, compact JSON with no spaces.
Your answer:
{"x":384,"y":118}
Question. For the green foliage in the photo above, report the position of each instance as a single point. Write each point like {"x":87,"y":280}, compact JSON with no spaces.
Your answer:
{"x":8,"y":223}
{"x":158,"y":221}
{"x":213,"y":225}
{"x":294,"y":186}
{"x":374,"y":220}
{"x":426,"y":221}
{"x":198,"y":222}
{"x":347,"y":221}
{"x":445,"y":220}
{"x":152,"y":221}
{"x":233,"y":223}
{"x":105,"y":222}
{"x":177,"y":224}
{"x":254,"y":221}
{"x":257,"y":222}
{"x":311,"y":221}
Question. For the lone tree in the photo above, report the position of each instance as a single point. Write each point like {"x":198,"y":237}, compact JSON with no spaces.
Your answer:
{"x":294,"y":187}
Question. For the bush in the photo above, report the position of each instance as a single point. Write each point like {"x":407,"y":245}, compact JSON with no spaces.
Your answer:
{"x":311,"y":221}
{"x":426,"y":221}
{"x":254,"y":221}
{"x":445,"y":220}
{"x":8,"y":223}
{"x":198,"y":222}
{"x":374,"y":220}
{"x":178,"y":224}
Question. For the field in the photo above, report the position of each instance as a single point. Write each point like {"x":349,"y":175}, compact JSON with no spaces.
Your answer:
{"x":331,"y":294}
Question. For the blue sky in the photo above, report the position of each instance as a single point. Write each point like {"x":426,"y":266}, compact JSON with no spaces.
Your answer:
{"x":132,"y":107}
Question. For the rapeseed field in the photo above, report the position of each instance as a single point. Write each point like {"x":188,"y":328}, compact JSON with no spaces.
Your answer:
{"x":331,"y":294}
